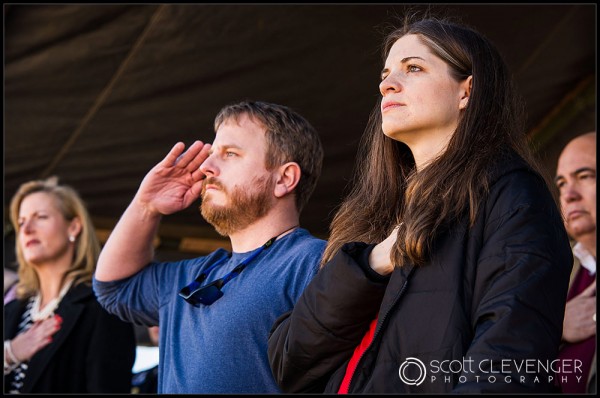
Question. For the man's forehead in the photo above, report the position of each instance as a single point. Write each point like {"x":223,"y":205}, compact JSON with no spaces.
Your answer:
{"x":241,"y":133}
{"x":583,"y":144}
{"x":576,"y":158}
{"x":243,"y":120}
{"x":578,"y":153}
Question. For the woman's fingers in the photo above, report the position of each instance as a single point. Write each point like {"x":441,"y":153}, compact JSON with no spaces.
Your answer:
{"x":39,"y":335}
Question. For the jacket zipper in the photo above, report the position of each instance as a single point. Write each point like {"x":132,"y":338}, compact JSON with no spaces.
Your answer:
{"x":402,"y":289}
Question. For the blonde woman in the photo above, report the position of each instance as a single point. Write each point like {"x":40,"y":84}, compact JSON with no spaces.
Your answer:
{"x":57,"y":337}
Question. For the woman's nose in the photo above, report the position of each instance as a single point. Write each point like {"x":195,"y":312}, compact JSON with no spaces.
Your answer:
{"x":389,"y":84}
{"x":26,"y":226}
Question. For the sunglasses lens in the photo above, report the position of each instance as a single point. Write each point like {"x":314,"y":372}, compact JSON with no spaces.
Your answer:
{"x":189,"y":290}
{"x":208,"y":294}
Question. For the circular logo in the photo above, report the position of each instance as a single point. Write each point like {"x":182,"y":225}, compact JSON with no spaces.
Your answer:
{"x":421,"y":375}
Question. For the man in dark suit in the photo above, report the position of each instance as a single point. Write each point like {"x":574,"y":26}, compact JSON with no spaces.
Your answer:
{"x":576,"y":182}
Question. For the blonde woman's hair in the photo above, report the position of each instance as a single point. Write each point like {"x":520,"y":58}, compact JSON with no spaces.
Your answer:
{"x":71,"y":206}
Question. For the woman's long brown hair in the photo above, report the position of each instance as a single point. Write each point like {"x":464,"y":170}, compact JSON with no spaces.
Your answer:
{"x":387,"y":191}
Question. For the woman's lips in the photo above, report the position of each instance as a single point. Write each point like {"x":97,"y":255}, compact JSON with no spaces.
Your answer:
{"x":32,"y":242}
{"x":388,"y":105}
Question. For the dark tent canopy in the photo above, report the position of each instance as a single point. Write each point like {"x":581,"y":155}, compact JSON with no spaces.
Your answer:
{"x":97,"y":94}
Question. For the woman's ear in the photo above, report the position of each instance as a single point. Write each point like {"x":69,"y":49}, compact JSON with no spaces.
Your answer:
{"x":288,"y":177}
{"x":75,"y":227}
{"x":466,"y":86}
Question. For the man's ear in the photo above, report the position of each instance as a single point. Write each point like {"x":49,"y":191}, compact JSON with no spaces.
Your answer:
{"x":466,"y":86}
{"x":288,"y":176}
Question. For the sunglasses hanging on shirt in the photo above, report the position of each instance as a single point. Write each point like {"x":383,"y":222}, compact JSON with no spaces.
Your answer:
{"x":195,"y":294}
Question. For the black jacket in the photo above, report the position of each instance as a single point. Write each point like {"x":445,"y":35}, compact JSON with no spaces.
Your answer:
{"x":93,"y":352}
{"x":493,"y":292}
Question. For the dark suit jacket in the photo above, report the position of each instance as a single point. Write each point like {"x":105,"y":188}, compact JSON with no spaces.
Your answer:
{"x":591,"y":381}
{"x":93,"y":352}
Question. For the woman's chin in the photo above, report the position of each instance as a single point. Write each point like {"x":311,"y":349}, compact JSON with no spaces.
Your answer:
{"x":392,"y":133}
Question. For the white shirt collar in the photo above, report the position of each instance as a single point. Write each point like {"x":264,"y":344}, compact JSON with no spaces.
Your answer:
{"x":585,"y":258}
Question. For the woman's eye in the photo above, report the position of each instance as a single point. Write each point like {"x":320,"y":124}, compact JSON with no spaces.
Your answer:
{"x":414,"y":68}
{"x":230,"y":154}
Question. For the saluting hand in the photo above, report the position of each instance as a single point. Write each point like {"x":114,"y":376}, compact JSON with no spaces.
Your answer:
{"x":174,"y":183}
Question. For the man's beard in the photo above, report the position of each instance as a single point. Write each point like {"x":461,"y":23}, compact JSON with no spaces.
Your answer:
{"x":245,"y":206}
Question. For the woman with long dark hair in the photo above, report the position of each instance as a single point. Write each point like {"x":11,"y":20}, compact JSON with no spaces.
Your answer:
{"x":447,"y":264}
